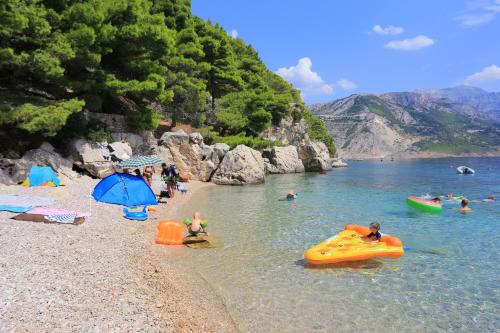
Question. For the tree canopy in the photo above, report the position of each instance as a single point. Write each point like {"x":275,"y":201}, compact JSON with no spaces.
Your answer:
{"x":68,"y":55}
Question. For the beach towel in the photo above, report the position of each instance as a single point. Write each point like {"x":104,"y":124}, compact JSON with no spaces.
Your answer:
{"x":14,"y":209}
{"x":25,"y":200}
{"x":44,"y":219}
{"x":47,"y":211}
{"x":63,"y":218}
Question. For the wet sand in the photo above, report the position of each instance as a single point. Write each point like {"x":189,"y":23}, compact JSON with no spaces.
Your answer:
{"x":105,"y":275}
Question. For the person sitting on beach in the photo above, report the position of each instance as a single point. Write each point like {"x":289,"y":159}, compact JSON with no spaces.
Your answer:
{"x":490,"y":198}
{"x":138,"y":173}
{"x":148,"y":174}
{"x":197,"y":226}
{"x":465,"y":206}
{"x":374,"y":234}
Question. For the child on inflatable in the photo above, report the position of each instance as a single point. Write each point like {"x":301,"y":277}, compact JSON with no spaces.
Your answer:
{"x":374,"y":234}
{"x":197,"y":226}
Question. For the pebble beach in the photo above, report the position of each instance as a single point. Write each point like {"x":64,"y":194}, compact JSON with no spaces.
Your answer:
{"x":105,"y":275}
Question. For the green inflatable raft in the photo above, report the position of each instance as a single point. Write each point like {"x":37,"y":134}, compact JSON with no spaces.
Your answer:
{"x":424,"y":205}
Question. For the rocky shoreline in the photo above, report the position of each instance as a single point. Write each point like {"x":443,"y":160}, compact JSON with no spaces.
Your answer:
{"x":192,"y":156}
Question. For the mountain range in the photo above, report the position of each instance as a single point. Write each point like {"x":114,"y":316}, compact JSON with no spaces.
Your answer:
{"x":454,"y":121}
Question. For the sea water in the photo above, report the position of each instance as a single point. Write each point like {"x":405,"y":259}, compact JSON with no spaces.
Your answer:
{"x":447,"y":281}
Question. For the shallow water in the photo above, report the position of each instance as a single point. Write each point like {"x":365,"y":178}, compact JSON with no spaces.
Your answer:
{"x":448,"y":280}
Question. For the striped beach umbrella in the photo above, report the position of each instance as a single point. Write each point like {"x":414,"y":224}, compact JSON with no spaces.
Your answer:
{"x":140,"y":161}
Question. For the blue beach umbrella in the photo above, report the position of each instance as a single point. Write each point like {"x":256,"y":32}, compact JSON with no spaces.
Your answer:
{"x":139,"y":161}
{"x":124,"y":189}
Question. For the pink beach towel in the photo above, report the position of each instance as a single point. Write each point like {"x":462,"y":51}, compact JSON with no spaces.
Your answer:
{"x":56,"y":211}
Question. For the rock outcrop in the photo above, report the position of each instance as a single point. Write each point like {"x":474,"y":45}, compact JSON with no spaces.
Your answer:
{"x":191,"y":156}
{"x":289,"y":132}
{"x":282,"y":160}
{"x":240,"y":166}
{"x":314,"y":156}
{"x":14,"y":171}
{"x":99,"y":159}
{"x":339,"y":164}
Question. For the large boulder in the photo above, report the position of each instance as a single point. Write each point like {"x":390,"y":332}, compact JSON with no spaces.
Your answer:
{"x":240,"y":166}
{"x":120,"y":150}
{"x":143,"y":143}
{"x":94,"y":158}
{"x":174,"y":138}
{"x":283,"y":160}
{"x":190,"y":155}
{"x":135,"y":141}
{"x":14,"y":171}
{"x":196,"y":138}
{"x":314,"y":156}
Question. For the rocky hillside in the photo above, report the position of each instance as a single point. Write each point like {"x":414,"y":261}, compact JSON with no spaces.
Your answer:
{"x":411,"y":124}
{"x":481,"y":103}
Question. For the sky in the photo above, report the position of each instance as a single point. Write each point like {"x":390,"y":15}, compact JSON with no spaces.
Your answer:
{"x":330,"y":49}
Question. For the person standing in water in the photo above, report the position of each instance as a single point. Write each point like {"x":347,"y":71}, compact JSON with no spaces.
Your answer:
{"x":465,"y":206}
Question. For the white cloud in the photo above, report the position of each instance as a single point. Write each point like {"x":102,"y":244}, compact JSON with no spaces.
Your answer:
{"x":488,"y":74}
{"x":234,"y":33}
{"x":389,"y":30}
{"x":303,"y":78}
{"x":410,"y":44}
{"x":479,"y":12}
{"x":346,"y":84}
{"x":473,"y":20}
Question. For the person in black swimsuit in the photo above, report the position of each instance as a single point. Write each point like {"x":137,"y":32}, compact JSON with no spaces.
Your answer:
{"x":374,"y":234}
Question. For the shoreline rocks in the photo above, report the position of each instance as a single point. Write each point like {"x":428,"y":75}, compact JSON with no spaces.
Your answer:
{"x":315,"y":156}
{"x":188,"y":152}
{"x":15,"y":171}
{"x":279,"y":160}
{"x":240,"y":166}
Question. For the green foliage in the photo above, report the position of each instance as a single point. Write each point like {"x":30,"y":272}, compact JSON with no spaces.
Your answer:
{"x":317,"y":131}
{"x":238,"y":139}
{"x":259,"y":120}
{"x":146,"y":51}
{"x":46,"y":120}
{"x":70,"y":48}
{"x":146,"y":120}
{"x":99,"y":135}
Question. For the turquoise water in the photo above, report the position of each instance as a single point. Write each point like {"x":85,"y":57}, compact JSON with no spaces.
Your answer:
{"x":448,"y":281}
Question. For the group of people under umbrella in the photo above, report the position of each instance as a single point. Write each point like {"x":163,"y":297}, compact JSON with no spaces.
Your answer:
{"x":131,"y":190}
{"x":169,"y":174}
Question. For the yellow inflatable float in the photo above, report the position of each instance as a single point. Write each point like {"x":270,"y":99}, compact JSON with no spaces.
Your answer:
{"x":349,"y":245}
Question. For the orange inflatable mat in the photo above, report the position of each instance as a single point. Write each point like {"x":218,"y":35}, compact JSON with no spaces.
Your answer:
{"x":349,"y":245}
{"x":170,"y":233}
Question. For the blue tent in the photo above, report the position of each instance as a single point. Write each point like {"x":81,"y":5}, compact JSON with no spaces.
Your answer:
{"x":124,"y":189}
{"x":42,"y":176}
